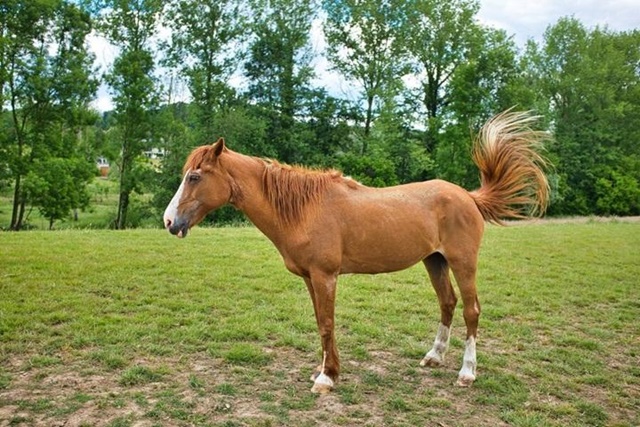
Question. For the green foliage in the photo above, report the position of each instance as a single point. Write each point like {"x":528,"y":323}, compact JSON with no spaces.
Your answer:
{"x":590,"y":82}
{"x":440,"y":36}
{"x":45,"y":80}
{"x":375,"y":170}
{"x":58,"y":185}
{"x":203,"y":34}
{"x":424,"y":75}
{"x":486,"y":83}
{"x":453,"y":157}
{"x":278,"y":69}
{"x":391,"y":141}
{"x":131,"y":25}
{"x":363,"y":44}
{"x":617,"y":192}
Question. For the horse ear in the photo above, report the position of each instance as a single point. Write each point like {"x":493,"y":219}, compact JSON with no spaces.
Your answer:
{"x":219,"y":147}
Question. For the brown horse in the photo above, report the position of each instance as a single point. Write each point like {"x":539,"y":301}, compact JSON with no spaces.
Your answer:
{"x":325,"y":224}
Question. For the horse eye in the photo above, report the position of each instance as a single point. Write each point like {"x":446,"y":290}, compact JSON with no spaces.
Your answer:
{"x":193,"y":178}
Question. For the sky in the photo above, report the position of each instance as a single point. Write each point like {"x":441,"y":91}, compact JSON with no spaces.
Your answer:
{"x":523,"y":19}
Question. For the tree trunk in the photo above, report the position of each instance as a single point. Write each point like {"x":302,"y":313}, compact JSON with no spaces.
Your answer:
{"x":123,"y":205}
{"x":123,"y":200}
{"x":15,"y":223}
{"x":367,"y":123}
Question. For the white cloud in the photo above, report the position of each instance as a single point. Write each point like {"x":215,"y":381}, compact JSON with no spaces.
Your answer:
{"x":104,"y":53}
{"x":528,"y":19}
{"x":103,"y":100}
{"x":332,"y":81}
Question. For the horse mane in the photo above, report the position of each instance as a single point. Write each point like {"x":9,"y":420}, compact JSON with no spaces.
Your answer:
{"x":295,"y":191}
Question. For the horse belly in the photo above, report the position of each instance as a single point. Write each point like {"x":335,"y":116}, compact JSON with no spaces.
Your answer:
{"x":386,"y":248}
{"x":393,"y":228}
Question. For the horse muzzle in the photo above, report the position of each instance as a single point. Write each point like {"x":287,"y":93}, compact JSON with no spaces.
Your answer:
{"x":178,"y":227}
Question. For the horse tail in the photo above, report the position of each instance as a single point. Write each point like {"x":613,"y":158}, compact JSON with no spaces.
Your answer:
{"x":513,"y":182}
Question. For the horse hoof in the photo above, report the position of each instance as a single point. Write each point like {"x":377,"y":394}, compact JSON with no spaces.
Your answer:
{"x":466,"y":380}
{"x":322,"y":384}
{"x":431,"y":362}
{"x":321,"y":388}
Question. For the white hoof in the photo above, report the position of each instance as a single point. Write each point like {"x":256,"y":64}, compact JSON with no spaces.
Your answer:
{"x":433,"y":359}
{"x":466,"y":380}
{"x":322,"y":384}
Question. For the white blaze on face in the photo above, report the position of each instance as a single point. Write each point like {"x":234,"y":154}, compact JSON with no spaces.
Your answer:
{"x":172,"y":210}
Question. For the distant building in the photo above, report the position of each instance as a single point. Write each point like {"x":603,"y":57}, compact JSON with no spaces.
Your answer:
{"x":103,"y":166}
{"x":154,"y":153}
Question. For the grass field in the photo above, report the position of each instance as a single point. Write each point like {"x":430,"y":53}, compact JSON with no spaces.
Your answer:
{"x":137,"y":328}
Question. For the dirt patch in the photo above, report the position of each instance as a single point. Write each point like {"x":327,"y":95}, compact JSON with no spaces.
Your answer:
{"x":199,"y":390}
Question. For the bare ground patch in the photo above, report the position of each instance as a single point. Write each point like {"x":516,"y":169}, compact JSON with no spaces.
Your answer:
{"x":198,"y":390}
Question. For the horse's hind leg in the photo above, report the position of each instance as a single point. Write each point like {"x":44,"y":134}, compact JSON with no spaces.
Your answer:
{"x":438,"y":269}
{"x":464,"y":271}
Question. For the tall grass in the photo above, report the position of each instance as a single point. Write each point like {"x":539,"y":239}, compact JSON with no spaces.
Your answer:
{"x":139,"y":328}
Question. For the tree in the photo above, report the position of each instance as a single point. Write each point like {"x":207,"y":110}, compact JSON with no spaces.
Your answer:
{"x":366,"y":45}
{"x":592,"y":87}
{"x":23,"y":24}
{"x":485,"y":84}
{"x":441,"y":36}
{"x":45,"y":75}
{"x":204,"y":39}
{"x":130,"y":24}
{"x":327,"y":128}
{"x":278,"y":69}
{"x":172,"y":122}
{"x":52,"y":185}
{"x":395,"y":154}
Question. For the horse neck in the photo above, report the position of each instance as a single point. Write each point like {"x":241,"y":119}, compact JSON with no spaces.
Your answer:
{"x":246,"y":173}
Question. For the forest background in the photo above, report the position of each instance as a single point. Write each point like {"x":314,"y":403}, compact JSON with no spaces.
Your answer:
{"x":426,"y":75}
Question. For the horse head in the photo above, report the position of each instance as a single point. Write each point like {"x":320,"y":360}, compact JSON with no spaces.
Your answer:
{"x":205,"y":186}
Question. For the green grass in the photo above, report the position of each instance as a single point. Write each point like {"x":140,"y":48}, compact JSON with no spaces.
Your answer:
{"x":137,"y":327}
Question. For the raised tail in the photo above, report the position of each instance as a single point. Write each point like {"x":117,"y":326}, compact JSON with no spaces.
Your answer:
{"x":513,"y":182}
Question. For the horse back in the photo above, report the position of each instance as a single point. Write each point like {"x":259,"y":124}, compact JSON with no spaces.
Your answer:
{"x":378,"y":230}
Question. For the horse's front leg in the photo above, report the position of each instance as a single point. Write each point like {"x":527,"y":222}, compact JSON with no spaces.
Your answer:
{"x":322,"y":288}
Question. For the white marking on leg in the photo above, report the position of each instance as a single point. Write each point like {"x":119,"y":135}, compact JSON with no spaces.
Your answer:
{"x":467,"y":374}
{"x":435,"y":356}
{"x":322,"y":383}
{"x":172,"y":209}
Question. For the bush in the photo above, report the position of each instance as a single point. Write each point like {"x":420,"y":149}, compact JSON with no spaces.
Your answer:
{"x":617,"y":194}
